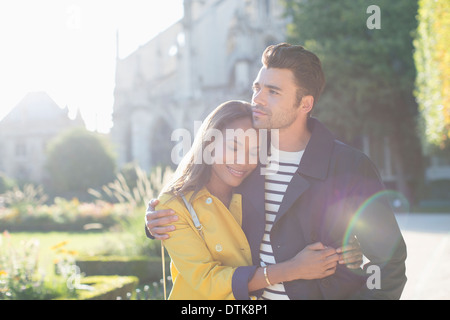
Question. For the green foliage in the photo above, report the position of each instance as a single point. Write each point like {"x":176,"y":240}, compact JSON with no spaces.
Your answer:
{"x":370,"y":76}
{"x":135,"y":193}
{"x":432,"y":59}
{"x":25,"y":210}
{"x":78,"y":160}
{"x":22,"y":279}
{"x":62,"y":215}
{"x":370,"y":73}
{"x":20,"y":276}
{"x":107,"y":287}
{"x":21,"y":199}
{"x":6,"y":183}
{"x":146,"y":268}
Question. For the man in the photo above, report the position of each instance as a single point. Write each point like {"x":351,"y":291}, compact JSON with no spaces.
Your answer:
{"x":321,"y":191}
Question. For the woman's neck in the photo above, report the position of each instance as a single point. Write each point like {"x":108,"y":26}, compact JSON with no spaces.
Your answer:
{"x":221,"y":191}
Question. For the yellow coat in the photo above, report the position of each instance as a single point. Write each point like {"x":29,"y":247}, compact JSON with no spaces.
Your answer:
{"x":203,"y":268}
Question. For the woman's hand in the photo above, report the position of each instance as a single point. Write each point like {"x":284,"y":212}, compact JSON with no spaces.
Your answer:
{"x":315,"y":261}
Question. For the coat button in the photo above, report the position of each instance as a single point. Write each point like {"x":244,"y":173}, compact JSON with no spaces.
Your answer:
{"x":208,"y":200}
{"x":219,"y":247}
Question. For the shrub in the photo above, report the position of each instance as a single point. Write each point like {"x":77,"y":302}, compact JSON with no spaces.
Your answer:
{"x":78,"y":160}
{"x":20,"y":278}
{"x":147,"y":269}
{"x":107,"y":287}
{"x":29,"y":195}
{"x":6,"y":183}
{"x":134,"y":194}
{"x":62,"y":215}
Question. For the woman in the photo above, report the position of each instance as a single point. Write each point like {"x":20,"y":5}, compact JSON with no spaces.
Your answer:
{"x":204,"y":257}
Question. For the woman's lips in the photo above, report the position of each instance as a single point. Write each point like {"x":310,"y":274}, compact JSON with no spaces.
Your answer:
{"x":236,"y":173}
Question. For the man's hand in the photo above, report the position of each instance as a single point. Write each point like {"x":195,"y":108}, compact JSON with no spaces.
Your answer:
{"x":315,"y":261}
{"x":351,"y":254}
{"x":155,"y":220}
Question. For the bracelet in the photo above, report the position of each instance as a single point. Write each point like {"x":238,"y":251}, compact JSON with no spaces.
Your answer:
{"x":266,"y":276}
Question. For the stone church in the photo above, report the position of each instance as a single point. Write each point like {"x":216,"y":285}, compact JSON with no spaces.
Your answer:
{"x":208,"y":57}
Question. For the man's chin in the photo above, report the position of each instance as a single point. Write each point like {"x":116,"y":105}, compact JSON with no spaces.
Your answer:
{"x":257,"y":124}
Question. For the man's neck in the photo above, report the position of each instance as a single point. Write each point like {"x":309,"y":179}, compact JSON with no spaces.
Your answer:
{"x":294,"y":138}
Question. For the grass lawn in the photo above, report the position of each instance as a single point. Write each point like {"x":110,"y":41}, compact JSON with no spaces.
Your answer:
{"x":84,"y":243}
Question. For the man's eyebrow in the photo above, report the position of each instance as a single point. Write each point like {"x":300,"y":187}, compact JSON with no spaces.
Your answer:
{"x":270,"y":86}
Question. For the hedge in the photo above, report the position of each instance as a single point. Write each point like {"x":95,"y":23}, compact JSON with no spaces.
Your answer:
{"x":106,"y":287}
{"x":147,"y":269}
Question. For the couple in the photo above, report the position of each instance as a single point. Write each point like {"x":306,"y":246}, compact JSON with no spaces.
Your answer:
{"x":274,"y":236}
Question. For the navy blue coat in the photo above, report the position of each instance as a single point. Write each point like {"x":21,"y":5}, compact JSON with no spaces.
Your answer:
{"x":335,"y":194}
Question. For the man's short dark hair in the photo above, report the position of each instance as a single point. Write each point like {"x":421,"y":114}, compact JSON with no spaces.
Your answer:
{"x":304,"y":64}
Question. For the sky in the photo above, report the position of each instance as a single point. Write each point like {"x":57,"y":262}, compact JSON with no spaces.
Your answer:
{"x":67,"y":48}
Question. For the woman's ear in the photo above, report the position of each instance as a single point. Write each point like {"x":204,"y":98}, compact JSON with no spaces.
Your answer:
{"x":307,"y":104}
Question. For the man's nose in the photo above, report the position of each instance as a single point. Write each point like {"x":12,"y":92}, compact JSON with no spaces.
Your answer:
{"x":258,"y":98}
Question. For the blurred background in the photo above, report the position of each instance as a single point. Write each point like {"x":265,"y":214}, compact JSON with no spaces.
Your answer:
{"x":92,"y":91}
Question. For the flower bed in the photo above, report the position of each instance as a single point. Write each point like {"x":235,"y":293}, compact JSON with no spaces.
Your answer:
{"x":22,"y":279}
{"x":63,"y":215}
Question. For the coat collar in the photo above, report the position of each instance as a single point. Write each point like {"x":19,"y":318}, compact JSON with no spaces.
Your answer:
{"x":201,"y":193}
{"x":314,"y":164}
{"x":316,"y":159}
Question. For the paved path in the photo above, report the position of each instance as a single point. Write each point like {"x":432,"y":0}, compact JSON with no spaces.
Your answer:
{"x":427,"y":238}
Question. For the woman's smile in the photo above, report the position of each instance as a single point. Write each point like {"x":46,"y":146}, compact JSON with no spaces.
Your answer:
{"x":236,"y":173}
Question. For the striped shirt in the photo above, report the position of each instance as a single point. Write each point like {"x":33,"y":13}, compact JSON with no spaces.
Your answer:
{"x":282,"y":167}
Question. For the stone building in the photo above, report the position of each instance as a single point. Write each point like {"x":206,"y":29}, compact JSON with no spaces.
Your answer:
{"x":25,"y":133}
{"x":208,"y":57}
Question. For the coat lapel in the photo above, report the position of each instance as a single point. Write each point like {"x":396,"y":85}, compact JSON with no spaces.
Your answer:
{"x":253,"y":217}
{"x":314,"y":164}
{"x":296,"y":188}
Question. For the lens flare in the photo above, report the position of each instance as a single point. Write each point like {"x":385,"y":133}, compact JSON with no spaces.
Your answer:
{"x":397,"y":201}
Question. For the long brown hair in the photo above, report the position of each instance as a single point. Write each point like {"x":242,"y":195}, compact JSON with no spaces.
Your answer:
{"x":192,"y":175}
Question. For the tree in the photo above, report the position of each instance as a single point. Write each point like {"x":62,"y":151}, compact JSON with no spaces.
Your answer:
{"x":6,"y":183}
{"x":370,"y":71}
{"x":432,"y":59}
{"x":78,"y":160}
